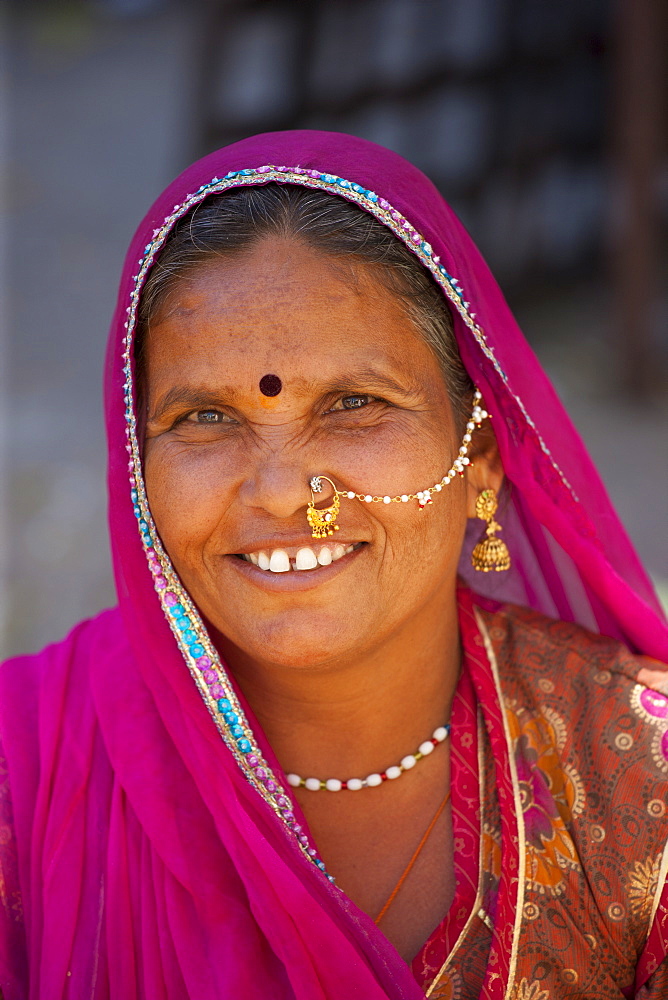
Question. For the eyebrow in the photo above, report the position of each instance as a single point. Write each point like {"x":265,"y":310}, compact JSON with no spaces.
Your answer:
{"x":368,"y":378}
{"x":193,"y":398}
{"x":199,"y":398}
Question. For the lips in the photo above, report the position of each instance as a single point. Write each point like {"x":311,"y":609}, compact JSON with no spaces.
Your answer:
{"x":301,"y":558}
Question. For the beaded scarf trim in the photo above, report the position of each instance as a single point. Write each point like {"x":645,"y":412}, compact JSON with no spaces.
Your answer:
{"x":189,"y":631}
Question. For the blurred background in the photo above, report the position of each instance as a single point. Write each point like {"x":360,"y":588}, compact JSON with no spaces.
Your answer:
{"x":544,"y":124}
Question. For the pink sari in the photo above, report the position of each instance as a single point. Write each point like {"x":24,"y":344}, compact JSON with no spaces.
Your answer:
{"x":158,"y":851}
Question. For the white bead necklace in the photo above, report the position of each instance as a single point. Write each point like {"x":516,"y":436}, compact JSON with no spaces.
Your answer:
{"x":373,"y":780}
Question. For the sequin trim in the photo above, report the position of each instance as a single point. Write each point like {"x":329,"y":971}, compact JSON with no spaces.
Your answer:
{"x":191,"y":636}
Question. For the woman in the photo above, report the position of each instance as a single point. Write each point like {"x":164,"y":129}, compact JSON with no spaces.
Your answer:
{"x":304,"y":757}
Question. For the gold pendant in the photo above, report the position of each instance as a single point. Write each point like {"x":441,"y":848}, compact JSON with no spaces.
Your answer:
{"x":491,"y":553}
{"x":321,"y":521}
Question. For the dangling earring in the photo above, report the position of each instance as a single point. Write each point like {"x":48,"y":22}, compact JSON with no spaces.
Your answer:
{"x":490,"y":553}
{"x":321,"y":522}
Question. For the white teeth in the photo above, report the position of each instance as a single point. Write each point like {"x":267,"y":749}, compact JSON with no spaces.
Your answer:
{"x":280,"y":561}
{"x":305,"y":559}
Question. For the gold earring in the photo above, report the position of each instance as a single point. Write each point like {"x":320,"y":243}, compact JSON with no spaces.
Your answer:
{"x":321,"y":522}
{"x":490,"y":553}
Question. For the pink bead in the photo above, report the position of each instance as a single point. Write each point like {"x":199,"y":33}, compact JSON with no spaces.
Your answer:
{"x":396,"y":216}
{"x":314,"y":173}
{"x":384,"y":204}
{"x":170,"y":600}
{"x":160,"y":583}
{"x":287,"y":814}
{"x":299,"y":170}
{"x":271,"y":785}
{"x":253,"y":760}
{"x":261,"y":773}
{"x":217,"y":690}
{"x":263,"y":170}
{"x":283,"y":802}
{"x":203,"y":661}
{"x":209,"y":676}
{"x":416,"y":237}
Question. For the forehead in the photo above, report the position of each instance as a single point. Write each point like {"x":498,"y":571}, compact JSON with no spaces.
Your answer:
{"x":283,"y":302}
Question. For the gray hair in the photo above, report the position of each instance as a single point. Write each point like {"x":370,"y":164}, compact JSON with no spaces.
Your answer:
{"x":231,"y":223}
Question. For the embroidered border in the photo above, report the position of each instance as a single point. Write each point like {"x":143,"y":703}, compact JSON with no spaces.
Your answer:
{"x":476,"y":909}
{"x":521,"y":835}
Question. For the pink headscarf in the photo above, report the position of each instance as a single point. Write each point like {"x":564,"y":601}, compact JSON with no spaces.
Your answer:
{"x":182,"y":861}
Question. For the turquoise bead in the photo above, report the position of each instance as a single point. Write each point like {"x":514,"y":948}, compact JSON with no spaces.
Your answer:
{"x":224,"y":705}
{"x":197,"y":650}
{"x":244,"y":745}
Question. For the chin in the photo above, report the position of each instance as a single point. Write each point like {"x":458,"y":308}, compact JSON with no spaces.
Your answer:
{"x":298,"y":640}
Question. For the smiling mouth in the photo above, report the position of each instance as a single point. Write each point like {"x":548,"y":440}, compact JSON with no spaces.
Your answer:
{"x":298,"y":559}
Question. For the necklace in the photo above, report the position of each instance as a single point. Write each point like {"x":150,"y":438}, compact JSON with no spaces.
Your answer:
{"x":377,"y":778}
{"x":407,"y":870}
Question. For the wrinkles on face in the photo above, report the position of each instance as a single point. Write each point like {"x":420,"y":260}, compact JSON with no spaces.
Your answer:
{"x":362,"y":402}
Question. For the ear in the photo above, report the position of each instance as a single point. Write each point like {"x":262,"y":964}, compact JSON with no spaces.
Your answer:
{"x":485,"y":470}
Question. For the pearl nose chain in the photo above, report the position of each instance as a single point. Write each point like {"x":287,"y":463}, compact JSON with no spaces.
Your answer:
{"x":322,"y":520}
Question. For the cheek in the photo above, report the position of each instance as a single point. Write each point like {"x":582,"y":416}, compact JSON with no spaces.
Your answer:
{"x":186,"y":497}
{"x":400,"y":456}
{"x":421,"y":547}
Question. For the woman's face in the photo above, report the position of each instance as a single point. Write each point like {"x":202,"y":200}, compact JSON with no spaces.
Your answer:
{"x":227,"y":468}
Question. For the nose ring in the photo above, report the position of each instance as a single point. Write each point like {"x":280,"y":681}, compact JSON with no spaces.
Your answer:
{"x":322,"y":522}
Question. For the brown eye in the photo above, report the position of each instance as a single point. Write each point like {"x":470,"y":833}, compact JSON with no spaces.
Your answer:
{"x":208,"y":417}
{"x":354,"y":402}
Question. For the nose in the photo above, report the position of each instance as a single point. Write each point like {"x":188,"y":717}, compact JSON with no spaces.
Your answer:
{"x":278,"y":488}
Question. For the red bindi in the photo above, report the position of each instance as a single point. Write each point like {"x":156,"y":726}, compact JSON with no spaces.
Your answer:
{"x":270,"y":385}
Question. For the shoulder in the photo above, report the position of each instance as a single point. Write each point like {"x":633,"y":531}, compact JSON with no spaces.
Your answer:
{"x":593,"y":742}
{"x":36,"y":686}
{"x":31,"y":666}
{"x":586,"y":686}
{"x":539,"y":656}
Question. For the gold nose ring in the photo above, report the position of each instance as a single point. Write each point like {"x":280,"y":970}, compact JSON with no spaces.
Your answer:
{"x":322,"y":521}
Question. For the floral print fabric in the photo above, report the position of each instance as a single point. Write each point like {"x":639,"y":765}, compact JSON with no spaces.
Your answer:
{"x":588,"y":747}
